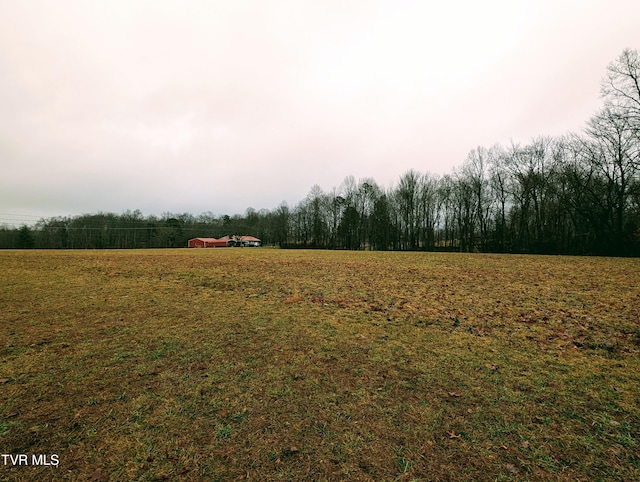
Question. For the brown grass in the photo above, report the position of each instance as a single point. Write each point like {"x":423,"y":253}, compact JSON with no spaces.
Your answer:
{"x":260,"y":364}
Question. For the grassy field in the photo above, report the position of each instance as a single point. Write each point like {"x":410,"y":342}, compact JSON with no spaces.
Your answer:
{"x":264,"y":364}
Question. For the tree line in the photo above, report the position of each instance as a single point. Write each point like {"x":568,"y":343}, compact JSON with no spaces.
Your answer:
{"x":573,"y":194}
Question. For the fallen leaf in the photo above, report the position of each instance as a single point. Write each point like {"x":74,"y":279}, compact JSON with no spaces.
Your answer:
{"x":454,"y":394}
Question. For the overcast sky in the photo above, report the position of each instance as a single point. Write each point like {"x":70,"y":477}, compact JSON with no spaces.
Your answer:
{"x":194,"y":106}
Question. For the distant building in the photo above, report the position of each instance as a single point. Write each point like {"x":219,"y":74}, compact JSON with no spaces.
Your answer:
{"x":224,"y":242}
{"x":250,"y":241}
{"x":201,"y":242}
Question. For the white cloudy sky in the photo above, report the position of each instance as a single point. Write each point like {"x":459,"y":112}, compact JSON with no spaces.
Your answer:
{"x":193,"y":106}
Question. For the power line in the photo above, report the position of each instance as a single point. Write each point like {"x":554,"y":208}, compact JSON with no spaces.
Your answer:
{"x":21,"y":215}
{"x":68,"y":224}
{"x":122,"y":228}
{"x":117,"y":228}
{"x":14,"y":220}
{"x":17,"y":222}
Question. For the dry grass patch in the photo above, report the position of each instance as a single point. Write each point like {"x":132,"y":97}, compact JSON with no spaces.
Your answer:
{"x":262,"y":364}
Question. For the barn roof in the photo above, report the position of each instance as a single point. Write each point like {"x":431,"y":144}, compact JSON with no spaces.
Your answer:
{"x":207,"y":240}
{"x":248,"y":238}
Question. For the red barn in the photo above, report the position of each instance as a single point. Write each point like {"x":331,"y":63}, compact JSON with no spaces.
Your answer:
{"x":202,"y":242}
